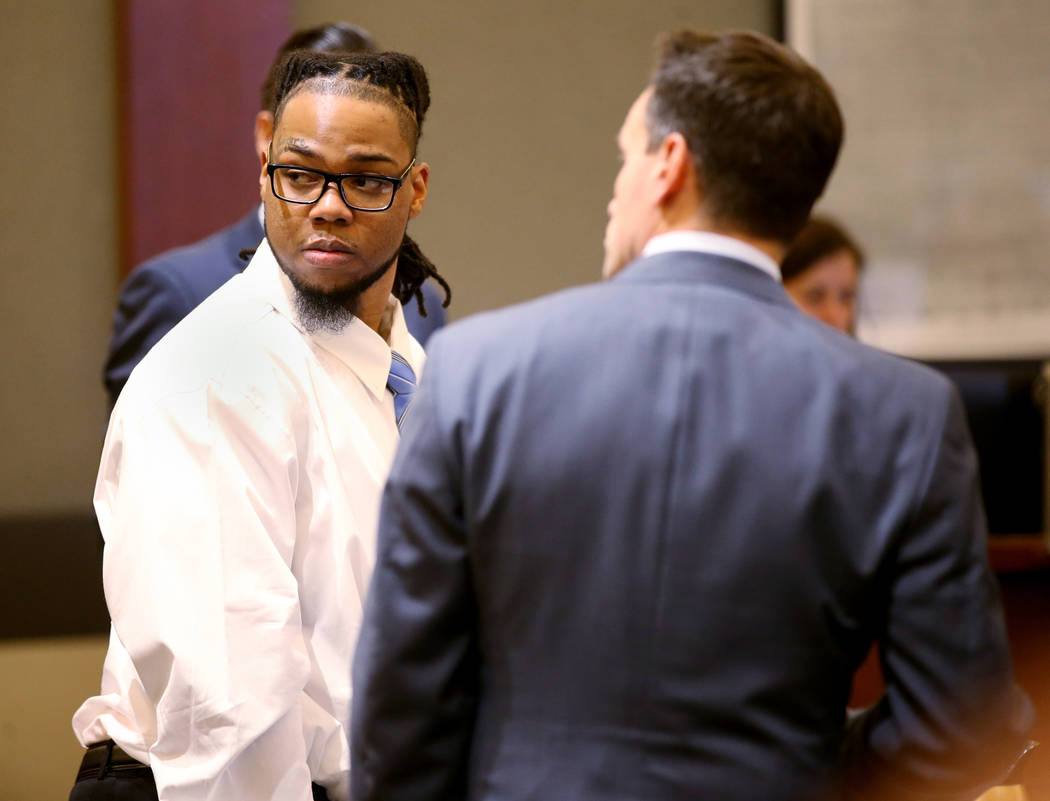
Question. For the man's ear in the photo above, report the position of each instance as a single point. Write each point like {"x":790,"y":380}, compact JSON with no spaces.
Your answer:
{"x":418,"y":182}
{"x":675,"y":166}
{"x":263,"y":132}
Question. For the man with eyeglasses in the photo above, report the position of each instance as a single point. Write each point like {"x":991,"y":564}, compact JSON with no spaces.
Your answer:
{"x":239,"y":486}
{"x":161,"y":291}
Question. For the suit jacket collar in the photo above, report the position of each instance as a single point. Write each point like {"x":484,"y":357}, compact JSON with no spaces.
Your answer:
{"x":695,"y":267}
{"x":247,"y":232}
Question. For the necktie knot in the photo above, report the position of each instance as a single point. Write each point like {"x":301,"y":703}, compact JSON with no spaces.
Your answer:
{"x":402,"y":383}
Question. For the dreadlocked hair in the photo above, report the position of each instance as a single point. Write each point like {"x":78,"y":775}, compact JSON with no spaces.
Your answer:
{"x":395,"y":79}
{"x":413,"y":269}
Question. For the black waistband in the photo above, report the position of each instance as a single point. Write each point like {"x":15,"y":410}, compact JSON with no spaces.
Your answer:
{"x":107,"y":757}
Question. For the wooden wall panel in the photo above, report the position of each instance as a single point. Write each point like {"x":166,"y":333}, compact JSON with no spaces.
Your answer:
{"x":189,"y":89}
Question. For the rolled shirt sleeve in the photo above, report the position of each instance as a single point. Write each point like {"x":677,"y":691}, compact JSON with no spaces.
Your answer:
{"x":196,"y":500}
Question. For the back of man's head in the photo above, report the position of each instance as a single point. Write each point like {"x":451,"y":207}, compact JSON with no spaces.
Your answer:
{"x":762,"y":125}
{"x":330,"y":37}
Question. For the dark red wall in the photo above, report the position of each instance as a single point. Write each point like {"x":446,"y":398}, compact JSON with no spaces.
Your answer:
{"x":189,"y":89}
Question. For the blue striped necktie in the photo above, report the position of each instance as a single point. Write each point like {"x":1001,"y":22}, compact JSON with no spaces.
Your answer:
{"x":402,"y":383}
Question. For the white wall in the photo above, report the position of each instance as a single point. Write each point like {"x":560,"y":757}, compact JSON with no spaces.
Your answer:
{"x":58,"y":244}
{"x":42,"y":682}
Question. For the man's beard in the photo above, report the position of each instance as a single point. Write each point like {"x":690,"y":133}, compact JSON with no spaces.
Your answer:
{"x":331,"y":309}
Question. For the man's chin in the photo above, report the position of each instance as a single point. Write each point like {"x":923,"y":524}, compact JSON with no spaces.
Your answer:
{"x":323,"y":302}
{"x":327,"y":301}
{"x":319,"y":280}
{"x":614,"y":262}
{"x":333,"y":288}
{"x":617,"y":252}
{"x":329,"y":287}
{"x":331,"y":310}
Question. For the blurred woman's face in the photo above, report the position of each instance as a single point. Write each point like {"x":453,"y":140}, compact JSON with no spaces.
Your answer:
{"x":827,"y":290}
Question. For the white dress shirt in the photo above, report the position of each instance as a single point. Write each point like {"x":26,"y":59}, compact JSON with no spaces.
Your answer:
{"x":707,"y":242}
{"x":238,"y":495}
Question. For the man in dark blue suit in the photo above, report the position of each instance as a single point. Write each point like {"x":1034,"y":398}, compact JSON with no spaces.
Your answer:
{"x":161,"y":291}
{"x":639,"y":535}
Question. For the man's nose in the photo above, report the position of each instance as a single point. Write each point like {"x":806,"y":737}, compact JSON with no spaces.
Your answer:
{"x":330,"y":205}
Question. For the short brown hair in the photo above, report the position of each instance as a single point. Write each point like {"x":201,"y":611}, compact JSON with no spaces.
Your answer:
{"x":763,"y":126}
{"x":819,"y":237}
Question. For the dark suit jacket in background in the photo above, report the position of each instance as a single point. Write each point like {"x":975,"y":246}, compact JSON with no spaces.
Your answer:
{"x":164,"y":289}
{"x":639,"y":535}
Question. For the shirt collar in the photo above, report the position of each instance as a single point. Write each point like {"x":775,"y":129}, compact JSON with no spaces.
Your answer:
{"x":707,"y":242}
{"x":360,"y":348}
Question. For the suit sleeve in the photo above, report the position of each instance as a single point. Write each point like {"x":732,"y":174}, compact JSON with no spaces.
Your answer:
{"x":951,"y":721}
{"x":149,"y":305}
{"x":416,"y":664}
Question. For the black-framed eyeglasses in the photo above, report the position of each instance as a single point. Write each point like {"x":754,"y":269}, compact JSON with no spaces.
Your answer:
{"x":359,"y":191}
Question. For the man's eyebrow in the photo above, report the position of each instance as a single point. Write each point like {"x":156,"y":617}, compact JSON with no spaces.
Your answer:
{"x":296,"y":145}
{"x":301,"y":147}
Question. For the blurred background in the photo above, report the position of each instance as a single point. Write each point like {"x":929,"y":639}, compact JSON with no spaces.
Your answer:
{"x":129,"y":132}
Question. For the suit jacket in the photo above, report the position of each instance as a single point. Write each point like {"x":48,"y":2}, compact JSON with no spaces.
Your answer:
{"x":163,"y":290}
{"x":639,"y":535}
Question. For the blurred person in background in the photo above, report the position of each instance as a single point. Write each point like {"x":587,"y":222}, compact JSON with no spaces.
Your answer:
{"x":821,"y":273}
